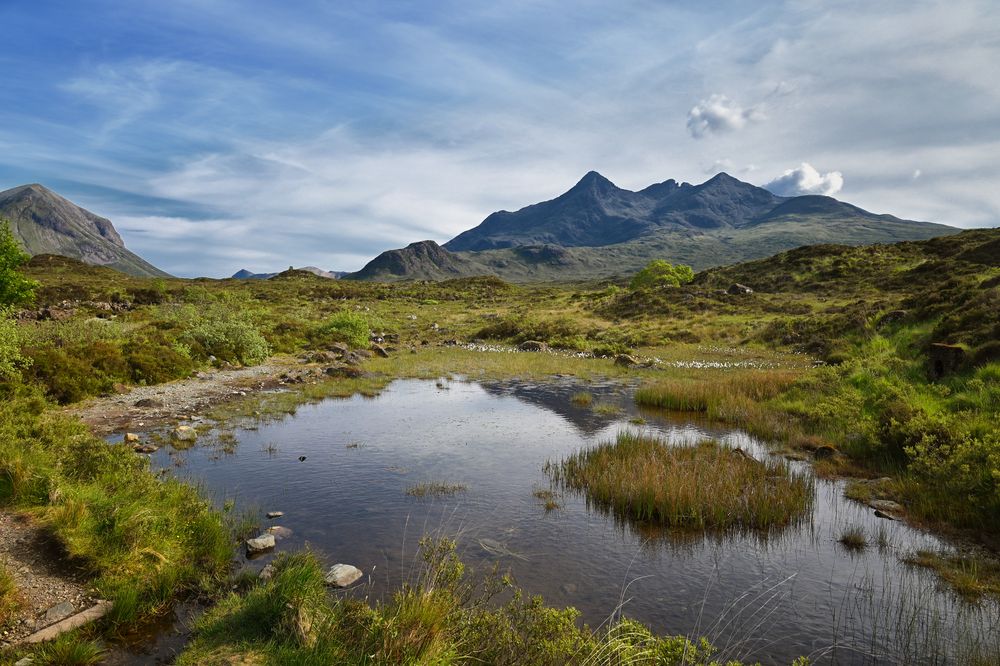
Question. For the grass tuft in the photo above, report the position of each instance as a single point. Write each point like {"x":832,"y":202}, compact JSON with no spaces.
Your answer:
{"x":704,"y":486}
{"x":853,"y":538}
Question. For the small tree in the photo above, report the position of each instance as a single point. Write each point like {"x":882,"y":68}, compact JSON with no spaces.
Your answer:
{"x":661,"y":273}
{"x":15,"y":289}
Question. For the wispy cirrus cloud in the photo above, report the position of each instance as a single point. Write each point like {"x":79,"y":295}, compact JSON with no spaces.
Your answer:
{"x":219,"y":133}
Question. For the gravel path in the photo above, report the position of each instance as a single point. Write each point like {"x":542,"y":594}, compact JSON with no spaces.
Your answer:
{"x":144,"y":407}
{"x":42,"y":575}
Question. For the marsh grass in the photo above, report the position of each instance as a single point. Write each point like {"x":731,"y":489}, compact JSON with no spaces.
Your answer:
{"x":9,"y":599}
{"x":436,"y":489}
{"x":853,"y":538}
{"x":548,"y":497}
{"x":607,"y":409}
{"x":971,"y":576}
{"x":69,"y":650}
{"x":443,"y":614}
{"x":582,"y":398}
{"x":706,"y":486}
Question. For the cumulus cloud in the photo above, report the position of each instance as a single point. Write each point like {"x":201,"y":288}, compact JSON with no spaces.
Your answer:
{"x":719,"y":114}
{"x":806,"y":180}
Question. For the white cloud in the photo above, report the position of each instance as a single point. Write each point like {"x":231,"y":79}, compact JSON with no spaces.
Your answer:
{"x":806,"y":180}
{"x":917,"y":173}
{"x":719,"y":114}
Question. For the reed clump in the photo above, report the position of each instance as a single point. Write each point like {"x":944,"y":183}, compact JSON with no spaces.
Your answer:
{"x":707,"y":486}
{"x":436,"y":489}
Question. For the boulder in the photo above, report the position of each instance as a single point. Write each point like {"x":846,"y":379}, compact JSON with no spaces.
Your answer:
{"x":533,"y":346}
{"x":131,"y":438}
{"x":149,"y":403}
{"x":342,"y":575}
{"x":737,"y":289}
{"x":626,"y":360}
{"x":145,"y":448}
{"x":346,"y":371}
{"x":380,"y":350}
{"x":275,"y":514}
{"x":825,"y":451}
{"x":261,"y":544}
{"x":885,"y":506}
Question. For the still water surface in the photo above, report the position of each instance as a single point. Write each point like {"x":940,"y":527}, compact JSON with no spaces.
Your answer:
{"x":795,"y":592}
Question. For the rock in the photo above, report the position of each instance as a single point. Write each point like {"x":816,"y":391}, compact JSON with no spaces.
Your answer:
{"x":533,"y":346}
{"x":886,"y":506}
{"x":626,"y":361}
{"x":131,"y":438}
{"x":737,"y":289}
{"x":342,"y":575}
{"x":58,"y":612}
{"x":347,"y":371}
{"x":380,"y":350}
{"x":185,"y":434}
{"x":25,"y":661}
{"x":145,"y":448}
{"x":279,"y":532}
{"x":302,"y":458}
{"x":338,"y":348}
{"x":261,"y":544}
{"x":275,"y":514}
{"x":267,"y":573}
{"x":882,"y":514}
{"x":825,"y":451}
{"x":149,"y":402}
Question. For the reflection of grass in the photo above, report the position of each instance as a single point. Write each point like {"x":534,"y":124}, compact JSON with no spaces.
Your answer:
{"x":582,"y":398}
{"x":704,"y":486}
{"x":853,"y":538}
{"x":435,"y":489}
{"x":969,"y":575}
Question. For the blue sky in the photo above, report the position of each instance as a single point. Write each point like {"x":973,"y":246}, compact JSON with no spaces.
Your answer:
{"x":222,"y":135}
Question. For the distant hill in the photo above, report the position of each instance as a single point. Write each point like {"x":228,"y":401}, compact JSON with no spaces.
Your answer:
{"x":244,"y":274}
{"x":45,"y":223}
{"x":598,"y":230}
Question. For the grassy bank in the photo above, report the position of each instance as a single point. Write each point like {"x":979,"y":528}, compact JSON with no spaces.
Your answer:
{"x":9,"y":601}
{"x":707,"y":486}
{"x":443,"y":616}
{"x":144,"y":540}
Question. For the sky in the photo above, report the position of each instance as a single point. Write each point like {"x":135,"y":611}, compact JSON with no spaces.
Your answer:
{"x":219,"y":135}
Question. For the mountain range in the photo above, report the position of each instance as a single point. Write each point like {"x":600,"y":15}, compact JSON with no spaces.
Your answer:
{"x":244,"y":274}
{"x":595,"y":230}
{"x":45,"y":223}
{"x":598,"y":230}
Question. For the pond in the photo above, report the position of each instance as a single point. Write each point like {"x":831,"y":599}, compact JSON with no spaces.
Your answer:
{"x":757,"y":597}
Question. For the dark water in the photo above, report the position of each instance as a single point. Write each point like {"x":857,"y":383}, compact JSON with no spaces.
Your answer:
{"x":797,"y":592}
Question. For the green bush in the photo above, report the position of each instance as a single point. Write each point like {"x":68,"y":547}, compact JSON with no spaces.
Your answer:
{"x":661,"y":273}
{"x":232,"y":339}
{"x":11,"y":359}
{"x":352,"y":328}
{"x":15,"y":289}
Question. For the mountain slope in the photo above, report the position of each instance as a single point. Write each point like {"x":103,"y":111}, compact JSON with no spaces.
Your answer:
{"x":46,"y":223}
{"x":598,"y":230}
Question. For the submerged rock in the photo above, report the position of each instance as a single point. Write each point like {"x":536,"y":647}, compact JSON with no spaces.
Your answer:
{"x":185,"y":434}
{"x":275,"y":514}
{"x":261,"y":544}
{"x":145,"y":448}
{"x":342,"y":575}
{"x":279,"y":532}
